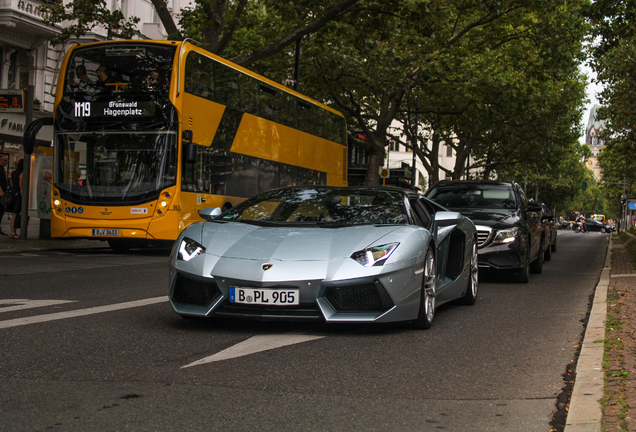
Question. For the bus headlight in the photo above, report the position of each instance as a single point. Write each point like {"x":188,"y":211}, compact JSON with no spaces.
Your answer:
{"x":56,"y":202}
{"x":163,"y":203}
{"x":189,"y":249}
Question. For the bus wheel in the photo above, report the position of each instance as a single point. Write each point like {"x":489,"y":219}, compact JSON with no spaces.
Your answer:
{"x":119,"y":246}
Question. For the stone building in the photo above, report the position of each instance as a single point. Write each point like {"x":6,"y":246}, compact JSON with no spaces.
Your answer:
{"x":594,"y":140}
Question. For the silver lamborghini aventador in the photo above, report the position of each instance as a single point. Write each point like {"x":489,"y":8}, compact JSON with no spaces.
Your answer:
{"x":331,"y":254}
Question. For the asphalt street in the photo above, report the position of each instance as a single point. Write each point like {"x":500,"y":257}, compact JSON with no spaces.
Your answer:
{"x":89,"y":342}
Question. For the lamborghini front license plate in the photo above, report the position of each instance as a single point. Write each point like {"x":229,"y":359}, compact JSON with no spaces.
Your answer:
{"x":261,"y":296}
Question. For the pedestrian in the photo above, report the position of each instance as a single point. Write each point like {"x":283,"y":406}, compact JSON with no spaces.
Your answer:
{"x":16,"y":187}
{"x":4,"y":184}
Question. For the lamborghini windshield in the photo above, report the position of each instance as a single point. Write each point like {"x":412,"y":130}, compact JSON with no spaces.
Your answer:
{"x":322,"y":206}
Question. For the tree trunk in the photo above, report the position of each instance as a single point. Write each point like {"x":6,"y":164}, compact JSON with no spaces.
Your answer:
{"x":166,"y":19}
{"x":372,"y":177}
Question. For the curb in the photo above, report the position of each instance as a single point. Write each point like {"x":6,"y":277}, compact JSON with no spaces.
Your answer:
{"x":585,"y":413}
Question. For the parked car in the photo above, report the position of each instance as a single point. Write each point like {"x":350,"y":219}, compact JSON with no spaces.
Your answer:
{"x":509,"y":228}
{"x":550,"y":226}
{"x":350,"y":254}
{"x":595,"y":225}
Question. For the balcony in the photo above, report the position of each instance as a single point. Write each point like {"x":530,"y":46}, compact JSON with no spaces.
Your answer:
{"x":21,"y":23}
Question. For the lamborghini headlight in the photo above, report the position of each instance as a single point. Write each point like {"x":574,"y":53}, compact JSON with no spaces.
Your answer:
{"x":376,"y":255}
{"x":506,"y":236}
{"x":189,"y":249}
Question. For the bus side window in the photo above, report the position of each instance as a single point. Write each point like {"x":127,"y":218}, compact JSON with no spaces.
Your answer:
{"x":248,"y":98}
{"x":305,"y":116}
{"x":267,"y":103}
{"x":226,"y":83}
{"x":198,"y":76}
{"x":287,"y":107}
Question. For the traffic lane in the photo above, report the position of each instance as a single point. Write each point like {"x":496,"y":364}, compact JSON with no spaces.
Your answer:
{"x":446,"y":366}
{"x":489,"y":350}
{"x":84,"y":280}
{"x":356,"y":377}
{"x":143,"y":406}
{"x":502,"y":321}
{"x":63,"y":261}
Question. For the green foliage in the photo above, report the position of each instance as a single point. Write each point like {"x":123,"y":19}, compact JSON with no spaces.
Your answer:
{"x":612,"y":48}
{"x":497,"y":81}
{"x":86,"y":15}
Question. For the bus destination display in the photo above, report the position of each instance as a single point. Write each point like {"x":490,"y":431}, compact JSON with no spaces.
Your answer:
{"x":114,"y":109}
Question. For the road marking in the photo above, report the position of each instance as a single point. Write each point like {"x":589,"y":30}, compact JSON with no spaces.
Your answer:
{"x":21,"y":304}
{"x":256,"y":344}
{"x":624,"y":275}
{"x":80,"y":312}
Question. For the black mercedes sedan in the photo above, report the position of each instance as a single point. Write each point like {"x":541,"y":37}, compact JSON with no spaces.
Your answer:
{"x":510,"y":233}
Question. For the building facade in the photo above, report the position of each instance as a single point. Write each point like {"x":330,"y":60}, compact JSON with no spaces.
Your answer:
{"x":398,"y":160}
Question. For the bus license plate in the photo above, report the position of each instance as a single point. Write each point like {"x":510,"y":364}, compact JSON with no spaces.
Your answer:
{"x":106,"y":232}
{"x":273,"y":297}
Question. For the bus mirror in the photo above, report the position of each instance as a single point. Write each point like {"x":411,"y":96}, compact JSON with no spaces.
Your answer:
{"x":31,"y":131}
{"x":190,"y":152}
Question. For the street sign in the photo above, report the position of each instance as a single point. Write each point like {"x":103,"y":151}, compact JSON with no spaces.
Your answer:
{"x":11,"y":100}
{"x":384,"y":172}
{"x":632,"y":206}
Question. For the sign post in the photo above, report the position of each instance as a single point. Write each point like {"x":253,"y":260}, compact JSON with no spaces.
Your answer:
{"x":26,"y":176}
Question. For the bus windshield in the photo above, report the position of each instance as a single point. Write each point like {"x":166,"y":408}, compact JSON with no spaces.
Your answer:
{"x":115,"y":169}
{"x":116,"y":83}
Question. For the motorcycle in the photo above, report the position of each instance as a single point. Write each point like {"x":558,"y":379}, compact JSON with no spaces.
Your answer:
{"x":578,"y":227}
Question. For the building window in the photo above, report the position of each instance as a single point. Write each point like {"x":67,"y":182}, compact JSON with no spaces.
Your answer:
{"x":449,"y":151}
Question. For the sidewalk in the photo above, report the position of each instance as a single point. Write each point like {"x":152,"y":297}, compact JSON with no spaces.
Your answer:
{"x":33,"y":242}
{"x":619,"y":405}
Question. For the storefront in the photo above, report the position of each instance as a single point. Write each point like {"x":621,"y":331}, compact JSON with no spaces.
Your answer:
{"x":12,"y":126}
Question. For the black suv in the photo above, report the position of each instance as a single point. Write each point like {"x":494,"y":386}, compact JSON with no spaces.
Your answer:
{"x":509,"y":230}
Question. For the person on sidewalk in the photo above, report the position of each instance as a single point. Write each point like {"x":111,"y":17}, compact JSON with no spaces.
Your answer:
{"x":4,"y":185}
{"x":16,"y":185}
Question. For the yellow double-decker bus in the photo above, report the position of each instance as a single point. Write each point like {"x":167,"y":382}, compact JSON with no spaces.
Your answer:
{"x":147,"y":133}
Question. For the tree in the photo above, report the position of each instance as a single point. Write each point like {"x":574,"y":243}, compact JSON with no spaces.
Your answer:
{"x":404,"y":45}
{"x":84,"y":16}
{"x":613,"y":58}
{"x":516,"y":102}
{"x":215,"y":22}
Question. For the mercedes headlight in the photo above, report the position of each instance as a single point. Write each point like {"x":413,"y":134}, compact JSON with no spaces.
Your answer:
{"x":506,"y":236}
{"x":189,"y":249}
{"x":376,"y":255}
